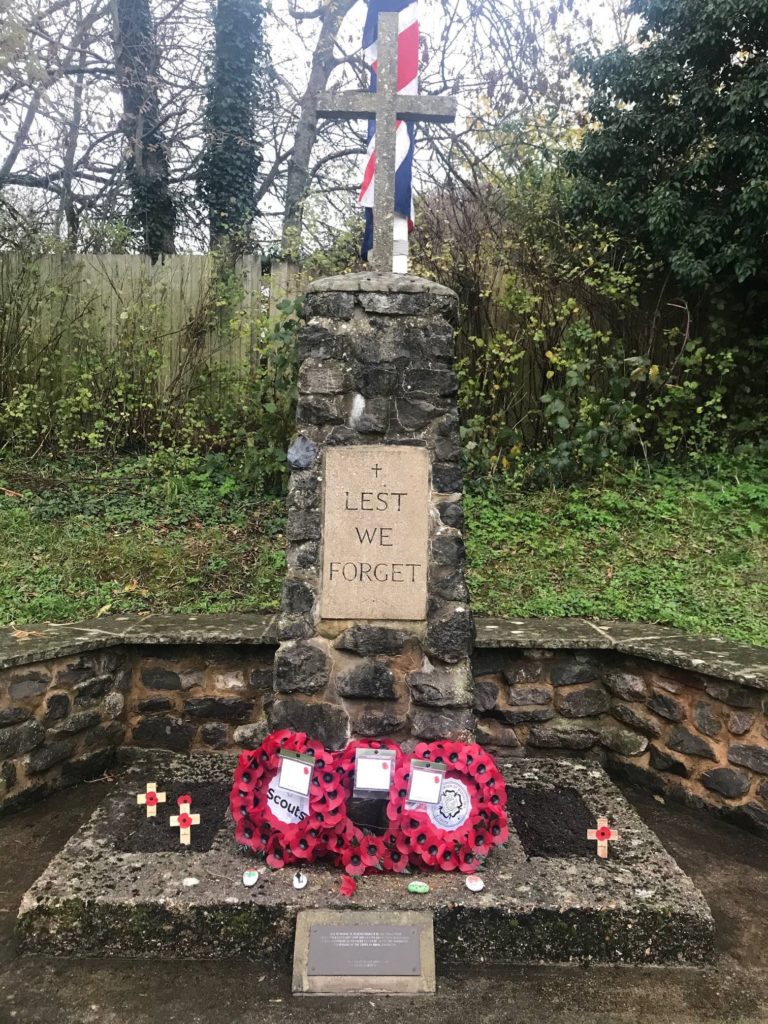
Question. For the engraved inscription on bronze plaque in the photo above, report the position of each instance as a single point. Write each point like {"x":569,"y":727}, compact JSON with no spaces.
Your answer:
{"x":375,"y":533}
{"x":363,"y":949}
{"x":354,"y":952}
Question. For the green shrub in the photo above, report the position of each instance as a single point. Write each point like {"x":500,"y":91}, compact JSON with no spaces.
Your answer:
{"x":79,"y":378}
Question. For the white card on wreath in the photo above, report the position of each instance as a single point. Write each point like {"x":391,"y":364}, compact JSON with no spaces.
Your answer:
{"x":373,"y":770}
{"x":295,"y":773}
{"x":426,"y":782}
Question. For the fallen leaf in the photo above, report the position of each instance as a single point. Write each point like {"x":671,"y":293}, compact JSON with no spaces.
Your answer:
{"x":24,"y":634}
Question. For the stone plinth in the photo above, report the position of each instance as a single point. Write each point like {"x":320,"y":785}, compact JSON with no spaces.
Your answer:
{"x":94,"y":899}
{"x":375,"y":631}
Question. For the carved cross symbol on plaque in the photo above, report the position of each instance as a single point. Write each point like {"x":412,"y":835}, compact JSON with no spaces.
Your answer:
{"x":386,"y":106}
{"x":376,"y":470}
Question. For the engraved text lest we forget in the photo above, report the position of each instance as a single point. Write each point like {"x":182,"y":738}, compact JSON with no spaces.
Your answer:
{"x":375,"y":533}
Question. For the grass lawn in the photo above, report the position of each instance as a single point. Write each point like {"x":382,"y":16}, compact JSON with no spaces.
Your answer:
{"x":684,"y":548}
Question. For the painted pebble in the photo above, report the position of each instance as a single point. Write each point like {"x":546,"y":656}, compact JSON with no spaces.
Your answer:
{"x":475,"y":883}
{"x":420,"y":887}
{"x":250,"y":878}
{"x":300,"y":880}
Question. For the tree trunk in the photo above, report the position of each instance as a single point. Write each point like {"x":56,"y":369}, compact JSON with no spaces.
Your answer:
{"x":306,"y":130}
{"x":153,"y":210}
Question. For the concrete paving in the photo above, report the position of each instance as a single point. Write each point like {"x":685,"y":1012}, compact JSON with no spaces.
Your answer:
{"x":730,"y":867}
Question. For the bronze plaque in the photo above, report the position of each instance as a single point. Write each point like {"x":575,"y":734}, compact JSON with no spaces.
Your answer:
{"x":355,"y":952}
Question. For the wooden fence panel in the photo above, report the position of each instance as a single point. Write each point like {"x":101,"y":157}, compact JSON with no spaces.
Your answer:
{"x":61,"y":305}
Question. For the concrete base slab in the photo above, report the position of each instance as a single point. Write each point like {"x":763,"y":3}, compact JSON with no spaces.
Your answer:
{"x":636,"y":907}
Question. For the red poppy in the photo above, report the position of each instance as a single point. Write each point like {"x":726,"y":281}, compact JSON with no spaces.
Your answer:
{"x":185,"y":799}
{"x":468,"y":862}
{"x":394,"y":860}
{"x":352,"y":860}
{"x":403,"y":841}
{"x":151,"y":799}
{"x":276,"y":858}
{"x":480,"y":842}
{"x":348,"y":886}
{"x":394,"y":810}
{"x":429,"y":853}
{"x":447,"y":857}
{"x":372,"y":849}
{"x":603,"y":833}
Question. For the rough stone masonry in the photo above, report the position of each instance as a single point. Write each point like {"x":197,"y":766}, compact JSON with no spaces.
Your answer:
{"x":375,"y":631}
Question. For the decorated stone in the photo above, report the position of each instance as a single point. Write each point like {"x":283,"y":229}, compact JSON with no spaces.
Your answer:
{"x":300,"y":880}
{"x":474,"y":883}
{"x":184,"y":820}
{"x":250,"y":878}
{"x":151,"y":798}
{"x":603,"y":834}
{"x":418,"y":887}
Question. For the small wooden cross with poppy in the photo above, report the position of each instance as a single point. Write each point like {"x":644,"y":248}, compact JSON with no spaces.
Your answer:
{"x":603,"y":834}
{"x":184,"y":820}
{"x":151,"y":799}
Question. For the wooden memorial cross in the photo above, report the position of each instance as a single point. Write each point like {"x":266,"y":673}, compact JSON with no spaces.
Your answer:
{"x":386,"y":106}
{"x":603,"y":834}
{"x":151,"y":799}
{"x":184,"y":820}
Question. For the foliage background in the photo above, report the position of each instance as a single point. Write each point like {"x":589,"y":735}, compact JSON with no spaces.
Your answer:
{"x":603,"y":217}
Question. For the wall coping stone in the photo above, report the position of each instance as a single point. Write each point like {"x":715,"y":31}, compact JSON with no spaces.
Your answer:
{"x":725,"y":659}
{"x":368,"y":281}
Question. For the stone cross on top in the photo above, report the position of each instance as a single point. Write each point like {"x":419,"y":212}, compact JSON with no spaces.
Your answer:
{"x":386,"y":106}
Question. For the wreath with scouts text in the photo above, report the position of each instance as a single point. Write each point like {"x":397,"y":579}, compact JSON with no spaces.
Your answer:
{"x":287,"y":827}
{"x":452,"y":830}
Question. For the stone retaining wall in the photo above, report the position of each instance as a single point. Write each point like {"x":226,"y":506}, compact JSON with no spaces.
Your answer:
{"x":61,"y":721}
{"x":686,"y":717}
{"x":210,"y":697}
{"x":685,"y":734}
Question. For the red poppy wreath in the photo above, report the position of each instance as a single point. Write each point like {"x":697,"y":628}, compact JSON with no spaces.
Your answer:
{"x":350,"y":846}
{"x":455,"y":833}
{"x":286,"y":827}
{"x":470,"y":817}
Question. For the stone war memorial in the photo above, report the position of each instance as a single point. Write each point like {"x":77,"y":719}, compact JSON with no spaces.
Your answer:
{"x":373,"y":790}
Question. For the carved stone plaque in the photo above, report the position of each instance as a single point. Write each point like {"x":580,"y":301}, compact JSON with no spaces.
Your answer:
{"x":375,"y":533}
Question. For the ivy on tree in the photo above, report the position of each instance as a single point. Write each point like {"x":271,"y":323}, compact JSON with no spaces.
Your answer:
{"x":238,"y":87}
{"x":153,"y":207}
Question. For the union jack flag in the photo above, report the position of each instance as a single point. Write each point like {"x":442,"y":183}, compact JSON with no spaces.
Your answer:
{"x":407,"y":82}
